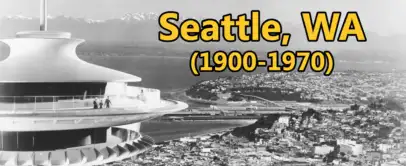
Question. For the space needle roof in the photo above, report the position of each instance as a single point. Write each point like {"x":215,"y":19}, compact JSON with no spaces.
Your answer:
{"x":48,"y":56}
{"x":51,"y":57}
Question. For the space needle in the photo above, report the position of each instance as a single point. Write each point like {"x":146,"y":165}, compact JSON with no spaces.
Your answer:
{"x":49,"y":104}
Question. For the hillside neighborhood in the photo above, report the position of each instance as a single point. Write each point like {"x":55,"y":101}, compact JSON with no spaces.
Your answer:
{"x":370,"y":131}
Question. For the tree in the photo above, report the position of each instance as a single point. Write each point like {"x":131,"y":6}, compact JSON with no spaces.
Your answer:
{"x":330,"y":157}
{"x":354,"y":107}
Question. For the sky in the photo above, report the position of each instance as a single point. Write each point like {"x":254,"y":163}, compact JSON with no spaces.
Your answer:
{"x":382,"y":17}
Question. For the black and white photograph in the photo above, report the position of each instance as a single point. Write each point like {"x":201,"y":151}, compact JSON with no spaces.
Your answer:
{"x":202,"y":83}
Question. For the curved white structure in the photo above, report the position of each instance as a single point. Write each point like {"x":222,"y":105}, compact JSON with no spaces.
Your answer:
{"x":56,"y":109}
{"x":51,"y":57}
{"x":82,"y":118}
{"x":47,"y":95}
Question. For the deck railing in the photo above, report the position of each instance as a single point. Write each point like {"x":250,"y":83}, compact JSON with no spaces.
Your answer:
{"x":134,"y":97}
{"x":55,"y":103}
{"x":33,"y":104}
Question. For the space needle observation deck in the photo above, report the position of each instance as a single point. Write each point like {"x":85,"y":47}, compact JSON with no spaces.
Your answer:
{"x":50,"y":111}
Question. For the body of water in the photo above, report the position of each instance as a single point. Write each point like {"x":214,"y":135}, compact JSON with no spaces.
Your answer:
{"x":168,"y":73}
{"x":169,"y":130}
{"x":156,"y":72}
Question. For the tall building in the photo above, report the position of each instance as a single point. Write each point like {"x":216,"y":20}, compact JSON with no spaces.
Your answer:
{"x":56,"y":109}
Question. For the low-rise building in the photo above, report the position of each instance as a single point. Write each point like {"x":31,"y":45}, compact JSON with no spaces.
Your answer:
{"x":322,"y":150}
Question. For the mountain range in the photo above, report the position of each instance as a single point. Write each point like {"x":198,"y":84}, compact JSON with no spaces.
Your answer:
{"x":140,"y":30}
{"x":144,"y":27}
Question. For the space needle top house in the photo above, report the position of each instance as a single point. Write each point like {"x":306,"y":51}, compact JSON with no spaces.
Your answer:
{"x":47,"y":116}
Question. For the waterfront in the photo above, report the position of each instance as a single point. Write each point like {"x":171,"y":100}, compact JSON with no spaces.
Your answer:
{"x":352,"y":124}
{"x":168,"y":73}
{"x":169,"y":130}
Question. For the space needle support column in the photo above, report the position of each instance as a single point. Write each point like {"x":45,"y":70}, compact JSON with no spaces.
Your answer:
{"x":43,"y":15}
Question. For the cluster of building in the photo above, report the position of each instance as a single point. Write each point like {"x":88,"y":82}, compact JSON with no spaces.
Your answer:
{"x":213,"y":149}
{"x":370,"y":132}
{"x":341,"y":87}
{"x":357,"y":136}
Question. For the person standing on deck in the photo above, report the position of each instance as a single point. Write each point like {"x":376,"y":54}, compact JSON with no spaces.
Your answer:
{"x":95,"y":104}
{"x":107,"y":102}
{"x":101,"y":103}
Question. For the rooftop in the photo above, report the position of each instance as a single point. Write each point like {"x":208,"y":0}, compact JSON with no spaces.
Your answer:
{"x":51,"y":57}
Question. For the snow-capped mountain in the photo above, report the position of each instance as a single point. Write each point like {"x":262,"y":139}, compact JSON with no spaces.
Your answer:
{"x":139,"y":31}
{"x":130,"y":27}
{"x":18,"y":17}
{"x":91,"y":21}
{"x":144,"y":27}
{"x":140,"y":16}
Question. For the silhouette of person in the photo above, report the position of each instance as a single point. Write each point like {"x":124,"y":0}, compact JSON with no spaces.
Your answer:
{"x":107,"y":102}
{"x":95,"y":103}
{"x":101,"y":104}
